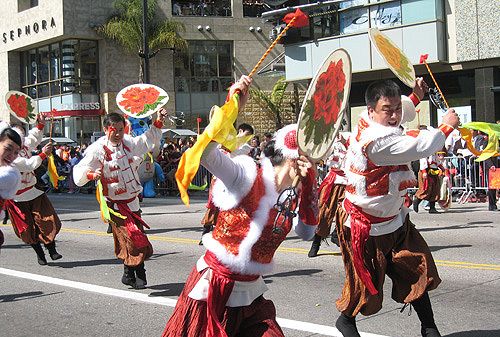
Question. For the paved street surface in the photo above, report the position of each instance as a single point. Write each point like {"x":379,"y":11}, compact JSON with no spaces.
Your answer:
{"x":81,"y":295}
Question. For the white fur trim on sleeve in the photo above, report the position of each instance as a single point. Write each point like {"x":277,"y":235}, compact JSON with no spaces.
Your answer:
{"x":10,"y":180}
{"x":226,"y":199}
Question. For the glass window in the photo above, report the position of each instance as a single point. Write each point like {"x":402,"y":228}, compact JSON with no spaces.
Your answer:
{"x":254,"y":8}
{"x":55,"y":69}
{"x":202,"y":76}
{"x":69,"y":62}
{"x":386,"y":15}
{"x":415,"y":11}
{"x":29,"y":71}
{"x":204,"y":59}
{"x":88,"y":67}
{"x":354,"y":19}
{"x":201,"y":7}
{"x":43,"y":64}
{"x":60,"y":68}
{"x":23,"y":5}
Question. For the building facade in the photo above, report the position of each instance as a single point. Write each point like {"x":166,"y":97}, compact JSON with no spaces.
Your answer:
{"x":50,"y":50}
{"x":461,"y":38}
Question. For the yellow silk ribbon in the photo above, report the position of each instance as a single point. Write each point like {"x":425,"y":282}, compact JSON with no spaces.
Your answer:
{"x":493,"y":132}
{"x":52,"y":171}
{"x":103,"y":206}
{"x":221,"y":130}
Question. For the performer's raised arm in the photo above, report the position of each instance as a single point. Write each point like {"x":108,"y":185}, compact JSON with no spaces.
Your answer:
{"x":151,"y":138}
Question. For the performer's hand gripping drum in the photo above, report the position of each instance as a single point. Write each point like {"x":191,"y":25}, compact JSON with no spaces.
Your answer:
{"x":324,"y":105}
{"x":320,"y":119}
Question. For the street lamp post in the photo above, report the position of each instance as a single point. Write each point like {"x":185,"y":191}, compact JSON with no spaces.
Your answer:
{"x":145,"y":48}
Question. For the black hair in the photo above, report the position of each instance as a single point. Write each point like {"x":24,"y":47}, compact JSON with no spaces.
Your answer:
{"x":376,"y":90}
{"x":274,"y":155}
{"x":246,"y":127}
{"x":12,"y":135}
{"x":113,"y":118}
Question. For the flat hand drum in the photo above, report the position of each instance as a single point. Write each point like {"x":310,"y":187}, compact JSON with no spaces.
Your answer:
{"x":21,"y":106}
{"x":324,"y":105}
{"x":393,"y":57}
{"x":141,"y":100}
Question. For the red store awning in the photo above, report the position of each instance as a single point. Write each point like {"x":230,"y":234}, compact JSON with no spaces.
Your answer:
{"x":77,"y":113}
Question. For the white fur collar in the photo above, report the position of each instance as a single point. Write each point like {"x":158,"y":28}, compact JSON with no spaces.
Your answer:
{"x":226,"y":199}
{"x":241,"y":263}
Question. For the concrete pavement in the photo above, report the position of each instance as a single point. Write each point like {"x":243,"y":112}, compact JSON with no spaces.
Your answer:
{"x":81,"y":295}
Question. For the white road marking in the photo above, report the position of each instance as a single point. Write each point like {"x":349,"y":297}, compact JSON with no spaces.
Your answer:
{"x":75,"y":210}
{"x":165,"y":301}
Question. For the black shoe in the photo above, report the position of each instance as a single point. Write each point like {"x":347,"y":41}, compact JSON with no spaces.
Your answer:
{"x":140,"y":279}
{"x":425,"y":314}
{"x":335,"y":238}
{"x":40,"y":254}
{"x":416,"y":202}
{"x":432,"y":208}
{"x":347,"y":326}
{"x":5,"y":218}
{"x":42,"y":261}
{"x":313,"y":252}
{"x":490,"y":208}
{"x":54,"y":255}
{"x":430,"y":332}
{"x":128,"y":277}
{"x":109,"y":230}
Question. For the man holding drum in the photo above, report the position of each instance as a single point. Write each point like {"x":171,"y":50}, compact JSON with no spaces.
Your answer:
{"x":114,"y":160}
{"x":378,"y":237}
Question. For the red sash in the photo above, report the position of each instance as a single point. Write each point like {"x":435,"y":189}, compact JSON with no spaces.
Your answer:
{"x":139,"y":239}
{"x":328,"y":183}
{"x":21,"y":191}
{"x":18,"y":218}
{"x":220,"y":288}
{"x":361,"y":223}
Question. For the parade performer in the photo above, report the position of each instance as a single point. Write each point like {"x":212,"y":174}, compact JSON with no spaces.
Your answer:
{"x":10,"y":178}
{"x":429,"y":180}
{"x":114,"y":160}
{"x":33,"y":217}
{"x":223,"y":295}
{"x":331,"y":196}
{"x":210,"y":217}
{"x":378,"y":237}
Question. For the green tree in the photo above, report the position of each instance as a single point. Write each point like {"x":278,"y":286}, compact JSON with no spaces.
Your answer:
{"x":125,"y":27}
{"x":272,"y":103}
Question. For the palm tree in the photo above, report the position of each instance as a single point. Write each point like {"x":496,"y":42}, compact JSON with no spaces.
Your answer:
{"x":272,"y":103}
{"x":125,"y":27}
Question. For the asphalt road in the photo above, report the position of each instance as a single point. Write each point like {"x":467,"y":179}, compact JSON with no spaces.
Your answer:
{"x":81,"y":294}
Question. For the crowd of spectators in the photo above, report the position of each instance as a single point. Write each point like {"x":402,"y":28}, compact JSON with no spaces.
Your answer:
{"x":65,"y":158}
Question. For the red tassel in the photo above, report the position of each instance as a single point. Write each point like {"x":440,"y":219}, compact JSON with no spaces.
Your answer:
{"x":301,"y":19}
{"x":423,"y":57}
{"x":360,"y":232}
{"x":360,"y":229}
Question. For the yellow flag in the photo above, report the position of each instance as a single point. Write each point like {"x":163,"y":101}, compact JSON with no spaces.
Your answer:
{"x":493,"y":132}
{"x":221,"y":130}
{"x":52,"y":171}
